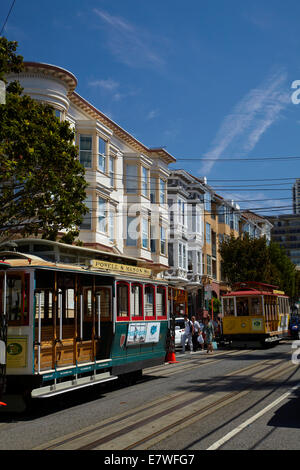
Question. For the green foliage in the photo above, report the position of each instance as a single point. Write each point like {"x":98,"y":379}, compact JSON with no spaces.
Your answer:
{"x":246,"y":259}
{"x":42,"y":184}
{"x":216,"y":306}
{"x":9,"y":61}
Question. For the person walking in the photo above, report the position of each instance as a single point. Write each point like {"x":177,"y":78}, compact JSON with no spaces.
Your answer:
{"x":196,"y":333}
{"x":208,"y":330}
{"x":188,"y":334}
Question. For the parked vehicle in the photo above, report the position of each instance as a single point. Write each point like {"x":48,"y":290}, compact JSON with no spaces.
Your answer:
{"x":179,"y":330}
{"x":294,"y":327}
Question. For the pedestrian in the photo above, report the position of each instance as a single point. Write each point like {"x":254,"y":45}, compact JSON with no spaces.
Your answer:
{"x":188,"y":333}
{"x":209,"y":333}
{"x":197,"y":331}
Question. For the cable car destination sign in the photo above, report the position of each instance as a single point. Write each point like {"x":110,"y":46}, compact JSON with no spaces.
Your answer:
{"x":120,"y":268}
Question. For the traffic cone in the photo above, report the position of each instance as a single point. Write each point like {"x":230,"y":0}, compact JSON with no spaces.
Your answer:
{"x":171,"y":358}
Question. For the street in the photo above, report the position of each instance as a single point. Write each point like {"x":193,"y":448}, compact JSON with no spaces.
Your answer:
{"x":234,"y":399}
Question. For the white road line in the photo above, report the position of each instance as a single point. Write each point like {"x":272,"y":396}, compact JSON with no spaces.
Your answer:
{"x":249,"y":421}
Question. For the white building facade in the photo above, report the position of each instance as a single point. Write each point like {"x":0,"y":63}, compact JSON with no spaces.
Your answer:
{"x":127,"y":192}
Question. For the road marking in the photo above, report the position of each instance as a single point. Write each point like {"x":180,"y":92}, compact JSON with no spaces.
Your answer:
{"x":249,"y":421}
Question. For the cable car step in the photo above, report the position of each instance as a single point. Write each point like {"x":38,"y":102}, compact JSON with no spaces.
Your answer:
{"x":64,"y":387}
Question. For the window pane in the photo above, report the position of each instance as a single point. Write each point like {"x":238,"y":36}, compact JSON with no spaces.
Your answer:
{"x":162,"y":186}
{"x":111,"y":170}
{"x":149,"y":301}
{"x":136,"y":299}
{"x":122,"y":300}
{"x":101,"y":154}
{"x":163,"y":240}
{"x":145,"y":233}
{"x":87,"y":218}
{"x":101,"y":215}
{"x":85,"y":150}
{"x":131,"y":231}
{"x":152,"y":189}
{"x":144,"y":181}
{"x":160,"y":302}
{"x":131,"y":179}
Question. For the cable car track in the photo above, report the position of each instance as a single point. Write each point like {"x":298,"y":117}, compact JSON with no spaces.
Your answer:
{"x":148,"y":424}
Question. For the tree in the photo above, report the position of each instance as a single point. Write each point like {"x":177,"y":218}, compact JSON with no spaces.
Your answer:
{"x":42,"y":183}
{"x":246,"y":259}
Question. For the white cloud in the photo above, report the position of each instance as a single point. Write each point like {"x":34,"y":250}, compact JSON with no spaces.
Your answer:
{"x":108,"y":84}
{"x":152,"y":114}
{"x":131,"y":45}
{"x":241,"y":130}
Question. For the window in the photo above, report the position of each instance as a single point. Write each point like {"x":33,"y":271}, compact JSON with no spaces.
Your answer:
{"x":111,"y":225}
{"x":101,"y":215}
{"x":208,"y":259}
{"x":145,"y":234}
{"x":136,"y":301}
{"x":17,"y":298}
{"x":184,"y":256}
{"x":199,"y":262}
{"x":153,"y":190}
{"x":85,"y":150}
{"x":153,"y":239}
{"x":163,"y":240}
{"x":208,"y":233}
{"x":87,"y":218}
{"x":161,"y":302}
{"x":207,"y":202}
{"x":162,"y":192}
{"x":181,"y":214}
{"x":228,"y":306}
{"x":170,"y":254}
{"x":123,"y":300}
{"x":149,"y":304}
{"x":131,"y":179}
{"x":131,"y":231}
{"x":112,"y":171}
{"x":101,"y":154}
{"x":145,"y":181}
{"x":180,"y":255}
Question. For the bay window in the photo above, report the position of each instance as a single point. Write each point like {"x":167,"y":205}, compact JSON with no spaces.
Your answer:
{"x":101,"y":215}
{"x":145,"y":233}
{"x":131,"y":179}
{"x":101,"y":154}
{"x":85,"y":150}
{"x":145,"y":181}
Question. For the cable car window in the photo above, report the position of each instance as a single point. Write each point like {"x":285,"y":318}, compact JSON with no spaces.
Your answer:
{"x":149,"y":301}
{"x":104,"y":294}
{"x":17,"y":295}
{"x":228,"y":307}
{"x":44,"y":300}
{"x":255,"y":306}
{"x":242,"y":309}
{"x":161,"y":307}
{"x":136,"y":300}
{"x":122,"y":300}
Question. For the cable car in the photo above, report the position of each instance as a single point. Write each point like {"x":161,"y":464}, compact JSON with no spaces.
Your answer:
{"x":255,"y":313}
{"x":82,"y":320}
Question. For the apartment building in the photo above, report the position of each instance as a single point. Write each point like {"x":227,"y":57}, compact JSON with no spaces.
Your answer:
{"x":296,"y":196}
{"x":286,"y":232}
{"x":127,"y":192}
{"x":200,"y":219}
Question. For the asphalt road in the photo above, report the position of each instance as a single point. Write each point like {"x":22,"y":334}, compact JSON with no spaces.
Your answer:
{"x":231,"y":400}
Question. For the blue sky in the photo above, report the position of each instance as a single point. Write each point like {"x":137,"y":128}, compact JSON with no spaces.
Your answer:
{"x":205,"y":79}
